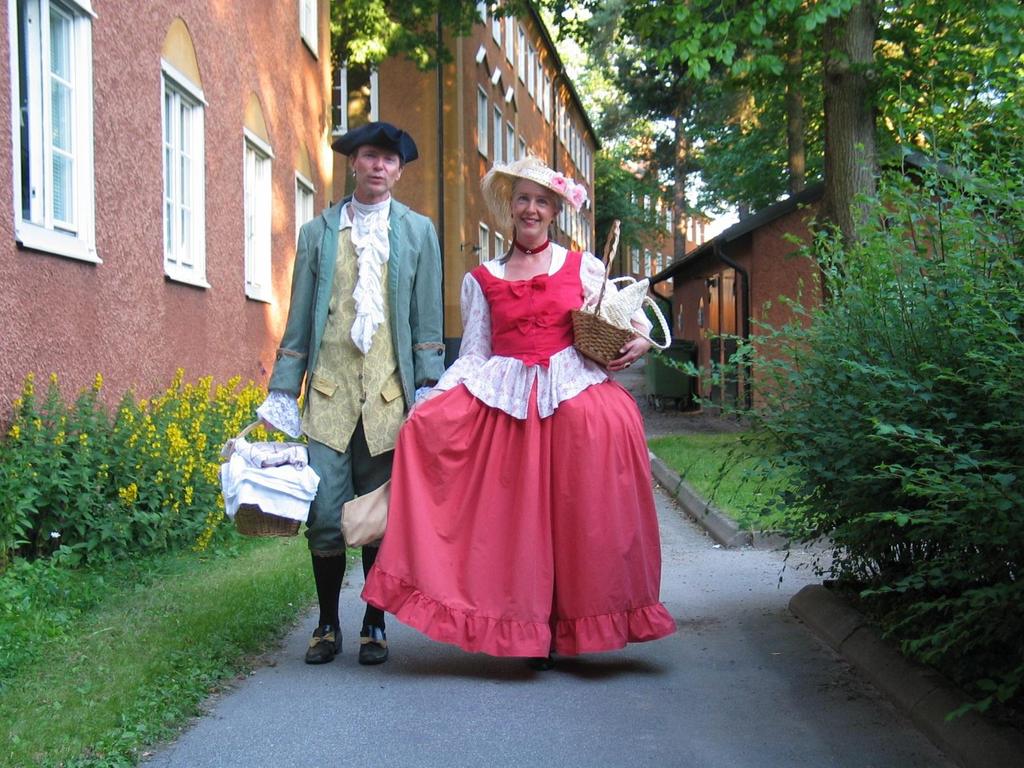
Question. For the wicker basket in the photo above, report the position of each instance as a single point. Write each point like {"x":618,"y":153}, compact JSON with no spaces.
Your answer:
{"x":596,"y":338}
{"x":250,"y":520}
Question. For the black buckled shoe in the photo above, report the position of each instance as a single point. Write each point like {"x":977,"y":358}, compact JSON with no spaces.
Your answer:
{"x":324,"y":645}
{"x":373,"y":646}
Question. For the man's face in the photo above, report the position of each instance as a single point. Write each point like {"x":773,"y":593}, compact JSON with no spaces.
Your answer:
{"x":377,"y":169}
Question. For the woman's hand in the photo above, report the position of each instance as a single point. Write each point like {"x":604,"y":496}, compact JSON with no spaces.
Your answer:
{"x":632,"y":350}
{"x":429,"y":393}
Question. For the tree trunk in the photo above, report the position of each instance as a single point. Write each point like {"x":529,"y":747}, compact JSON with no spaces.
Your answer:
{"x":681,"y":159}
{"x":850,"y":154}
{"x":797,"y":159}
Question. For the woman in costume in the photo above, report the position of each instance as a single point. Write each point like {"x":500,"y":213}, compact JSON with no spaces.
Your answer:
{"x":522,"y":519}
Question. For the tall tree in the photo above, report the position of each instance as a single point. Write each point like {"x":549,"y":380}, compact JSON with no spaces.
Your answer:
{"x":851,"y":159}
{"x":922,"y":73}
{"x":366,"y":32}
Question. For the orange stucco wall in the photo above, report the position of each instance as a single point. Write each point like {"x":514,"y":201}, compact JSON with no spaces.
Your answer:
{"x":123,"y":318}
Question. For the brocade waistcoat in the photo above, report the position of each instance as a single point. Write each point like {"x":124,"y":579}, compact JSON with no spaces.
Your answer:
{"x":346,"y":384}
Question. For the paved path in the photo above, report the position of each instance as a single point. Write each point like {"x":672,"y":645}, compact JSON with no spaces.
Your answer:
{"x":741,"y":685}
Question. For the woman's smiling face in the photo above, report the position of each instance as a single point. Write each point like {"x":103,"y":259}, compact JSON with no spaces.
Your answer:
{"x":533,"y":209}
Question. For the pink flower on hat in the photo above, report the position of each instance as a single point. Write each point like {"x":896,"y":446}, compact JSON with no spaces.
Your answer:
{"x":577,"y":195}
{"x":559,"y":183}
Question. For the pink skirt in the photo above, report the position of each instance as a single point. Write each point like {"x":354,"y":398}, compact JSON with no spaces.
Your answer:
{"x":517,"y":537}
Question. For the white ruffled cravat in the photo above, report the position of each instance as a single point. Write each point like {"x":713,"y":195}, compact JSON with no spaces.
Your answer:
{"x":372,"y":245}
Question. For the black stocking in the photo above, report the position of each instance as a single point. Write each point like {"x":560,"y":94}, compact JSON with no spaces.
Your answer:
{"x":373,"y":617}
{"x":328,"y":573}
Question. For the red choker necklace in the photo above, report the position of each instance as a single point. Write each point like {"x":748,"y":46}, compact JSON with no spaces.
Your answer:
{"x":531,"y":251}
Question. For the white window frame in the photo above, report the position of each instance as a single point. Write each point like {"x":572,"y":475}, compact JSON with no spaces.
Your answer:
{"x":308,"y":26}
{"x":257,"y":194}
{"x":531,"y":72}
{"x":496,"y":29}
{"x":634,"y":254}
{"x":547,"y":98}
{"x":510,"y":142}
{"x":484,"y":243}
{"x":188,"y":263}
{"x":483,"y":120}
{"x":499,"y":245}
{"x":522,"y":148}
{"x":305,"y":202}
{"x":510,"y":39}
{"x":341,"y":86}
{"x":41,"y":230}
{"x":521,"y":53}
{"x":498,"y":121}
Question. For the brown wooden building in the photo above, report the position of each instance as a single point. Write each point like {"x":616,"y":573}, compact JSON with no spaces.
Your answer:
{"x":156,"y":161}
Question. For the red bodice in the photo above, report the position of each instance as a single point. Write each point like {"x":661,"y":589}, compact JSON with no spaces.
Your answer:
{"x":530,"y":319}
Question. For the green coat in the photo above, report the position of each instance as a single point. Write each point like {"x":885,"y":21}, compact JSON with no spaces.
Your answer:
{"x":414,"y":300}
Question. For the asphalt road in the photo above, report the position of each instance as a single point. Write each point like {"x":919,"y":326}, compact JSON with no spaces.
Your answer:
{"x":742,"y":684}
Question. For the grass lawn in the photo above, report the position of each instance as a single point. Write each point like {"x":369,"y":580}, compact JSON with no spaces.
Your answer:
{"x":727,"y":470}
{"x":157,"y":639}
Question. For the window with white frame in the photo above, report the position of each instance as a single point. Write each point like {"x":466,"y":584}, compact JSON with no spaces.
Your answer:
{"x":51,"y":99}
{"x":498,"y":156}
{"x":510,"y":38}
{"x":355,"y":98}
{"x":499,"y":245}
{"x":484,"y":245}
{"x":482,"y":120}
{"x":522,"y":148}
{"x":510,"y":143}
{"x":481,"y":11}
{"x":634,"y":254}
{"x":531,"y":71}
{"x":547,"y":98}
{"x":496,"y":29}
{"x":308,"y":23}
{"x":256,"y":191}
{"x":647,"y":263}
{"x":305,"y":202}
{"x":184,"y":179}
{"x":521,"y":54}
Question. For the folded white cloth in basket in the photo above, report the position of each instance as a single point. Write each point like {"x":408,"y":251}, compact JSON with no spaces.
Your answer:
{"x":285,"y":491}
{"x":272,"y":454}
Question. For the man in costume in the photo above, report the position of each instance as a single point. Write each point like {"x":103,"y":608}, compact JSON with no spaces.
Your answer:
{"x":363,"y":335}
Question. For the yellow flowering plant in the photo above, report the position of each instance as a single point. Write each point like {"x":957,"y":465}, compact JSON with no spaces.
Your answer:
{"x":83,"y":483}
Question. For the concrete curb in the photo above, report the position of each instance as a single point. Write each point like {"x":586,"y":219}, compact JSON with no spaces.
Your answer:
{"x":719,"y":526}
{"x":924,"y":695}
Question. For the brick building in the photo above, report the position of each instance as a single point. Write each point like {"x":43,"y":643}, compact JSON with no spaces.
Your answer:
{"x":157,"y":159}
{"x":505,"y":93}
{"x":736,"y":278}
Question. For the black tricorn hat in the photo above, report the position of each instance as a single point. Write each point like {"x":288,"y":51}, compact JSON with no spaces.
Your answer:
{"x":378,"y":134}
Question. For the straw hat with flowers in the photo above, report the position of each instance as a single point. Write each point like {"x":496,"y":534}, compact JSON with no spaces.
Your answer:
{"x":499,"y":182}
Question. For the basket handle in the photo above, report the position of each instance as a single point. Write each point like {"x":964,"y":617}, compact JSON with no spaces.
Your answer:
{"x":610,"y":246}
{"x":661,"y":320}
{"x":228,"y":447}
{"x":657,"y":313}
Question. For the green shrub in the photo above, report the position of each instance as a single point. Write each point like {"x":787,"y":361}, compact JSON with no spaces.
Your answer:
{"x":899,"y":408}
{"x":88,"y":485}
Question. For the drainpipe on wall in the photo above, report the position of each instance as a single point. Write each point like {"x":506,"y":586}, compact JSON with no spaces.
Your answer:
{"x":560,"y":75}
{"x":719,"y":251}
{"x":440,"y":157}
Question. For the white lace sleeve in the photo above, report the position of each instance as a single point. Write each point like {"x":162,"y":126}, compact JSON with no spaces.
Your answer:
{"x":476,"y":335}
{"x":281,"y":411}
{"x":592,"y":275}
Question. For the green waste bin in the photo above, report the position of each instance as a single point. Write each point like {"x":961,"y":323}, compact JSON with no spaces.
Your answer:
{"x":668,"y":386}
